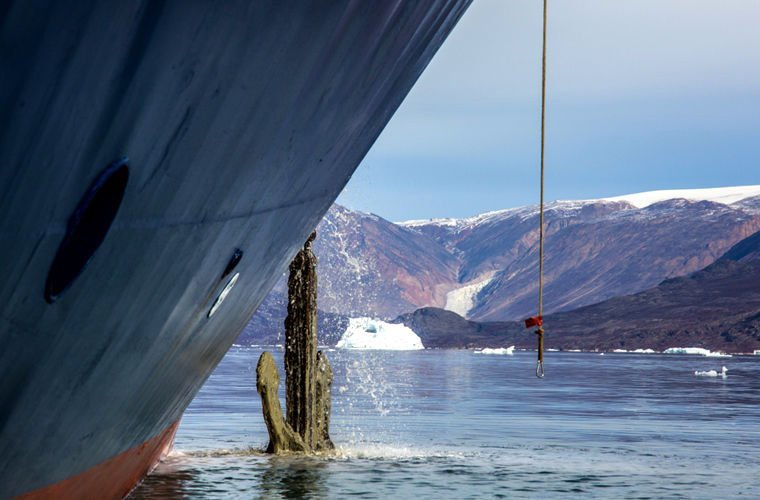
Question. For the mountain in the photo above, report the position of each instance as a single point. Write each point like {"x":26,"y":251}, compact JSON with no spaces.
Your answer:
{"x":485,"y":267}
{"x":369,"y":266}
{"x":442,"y":329}
{"x":594,"y":250}
{"x":717,"y":308}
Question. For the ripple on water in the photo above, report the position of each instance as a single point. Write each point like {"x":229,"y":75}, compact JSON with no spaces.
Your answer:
{"x":451,"y":425}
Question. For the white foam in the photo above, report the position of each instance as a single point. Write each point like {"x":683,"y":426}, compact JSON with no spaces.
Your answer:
{"x":368,"y":333}
{"x":503,"y":351}
{"x":390,"y":452}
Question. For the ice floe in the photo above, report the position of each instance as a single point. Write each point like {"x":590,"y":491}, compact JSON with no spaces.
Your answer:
{"x":508,"y":351}
{"x":712,"y":373}
{"x":635,"y":351}
{"x":718,"y":355}
{"x":696,"y":350}
{"x":368,"y":333}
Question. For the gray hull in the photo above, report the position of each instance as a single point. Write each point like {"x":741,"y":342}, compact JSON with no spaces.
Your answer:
{"x":242,"y":121}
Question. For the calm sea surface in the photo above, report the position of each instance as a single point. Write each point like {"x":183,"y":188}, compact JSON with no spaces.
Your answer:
{"x":456,"y":424}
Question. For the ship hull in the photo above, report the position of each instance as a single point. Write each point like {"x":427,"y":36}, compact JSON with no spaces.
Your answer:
{"x":241,"y":122}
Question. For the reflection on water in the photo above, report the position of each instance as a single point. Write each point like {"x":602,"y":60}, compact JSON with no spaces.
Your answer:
{"x":453,"y":424}
{"x":291,"y":477}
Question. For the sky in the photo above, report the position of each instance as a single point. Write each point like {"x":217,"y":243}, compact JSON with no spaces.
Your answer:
{"x":641,"y":95}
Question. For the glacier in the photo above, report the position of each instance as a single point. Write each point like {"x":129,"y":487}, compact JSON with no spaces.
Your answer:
{"x":369,"y":333}
{"x":461,"y":300}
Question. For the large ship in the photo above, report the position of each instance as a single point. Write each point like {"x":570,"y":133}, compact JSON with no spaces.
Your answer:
{"x":160,"y":164}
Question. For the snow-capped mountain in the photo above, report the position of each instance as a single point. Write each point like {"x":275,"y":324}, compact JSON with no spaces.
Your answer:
{"x":595,"y":249}
{"x":485,"y":267}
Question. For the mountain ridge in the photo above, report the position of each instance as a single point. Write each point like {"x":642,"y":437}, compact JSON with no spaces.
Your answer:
{"x":595,"y":250}
{"x":717,"y":308}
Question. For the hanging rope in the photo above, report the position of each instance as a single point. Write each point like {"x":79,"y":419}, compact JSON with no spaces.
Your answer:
{"x":538,"y":320}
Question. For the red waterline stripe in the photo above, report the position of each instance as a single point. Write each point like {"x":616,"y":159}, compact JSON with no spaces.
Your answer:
{"x":113,"y":478}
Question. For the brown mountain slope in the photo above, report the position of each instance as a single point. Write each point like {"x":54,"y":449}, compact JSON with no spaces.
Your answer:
{"x":485,"y":267}
{"x":602,"y":250}
{"x":369,"y":266}
{"x":717,"y":308}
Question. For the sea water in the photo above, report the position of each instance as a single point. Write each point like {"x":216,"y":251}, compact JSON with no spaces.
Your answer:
{"x":456,"y":424}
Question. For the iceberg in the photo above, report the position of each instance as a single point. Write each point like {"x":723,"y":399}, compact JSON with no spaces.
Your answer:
{"x":718,"y":355}
{"x":687,"y":350}
{"x":368,"y":333}
{"x":508,"y":351}
{"x":696,"y":350}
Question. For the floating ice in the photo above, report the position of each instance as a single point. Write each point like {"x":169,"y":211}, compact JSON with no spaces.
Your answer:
{"x":508,"y":351}
{"x":712,"y":373}
{"x":696,"y":350}
{"x":635,"y":351}
{"x":718,"y":355}
{"x":687,"y":350}
{"x":368,"y":333}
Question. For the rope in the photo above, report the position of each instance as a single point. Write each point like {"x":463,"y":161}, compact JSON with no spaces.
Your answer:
{"x":540,"y":331}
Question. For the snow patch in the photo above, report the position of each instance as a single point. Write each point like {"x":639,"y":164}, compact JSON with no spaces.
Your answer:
{"x":368,"y":333}
{"x":429,"y":222}
{"x":724,"y":195}
{"x":462,"y":300}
